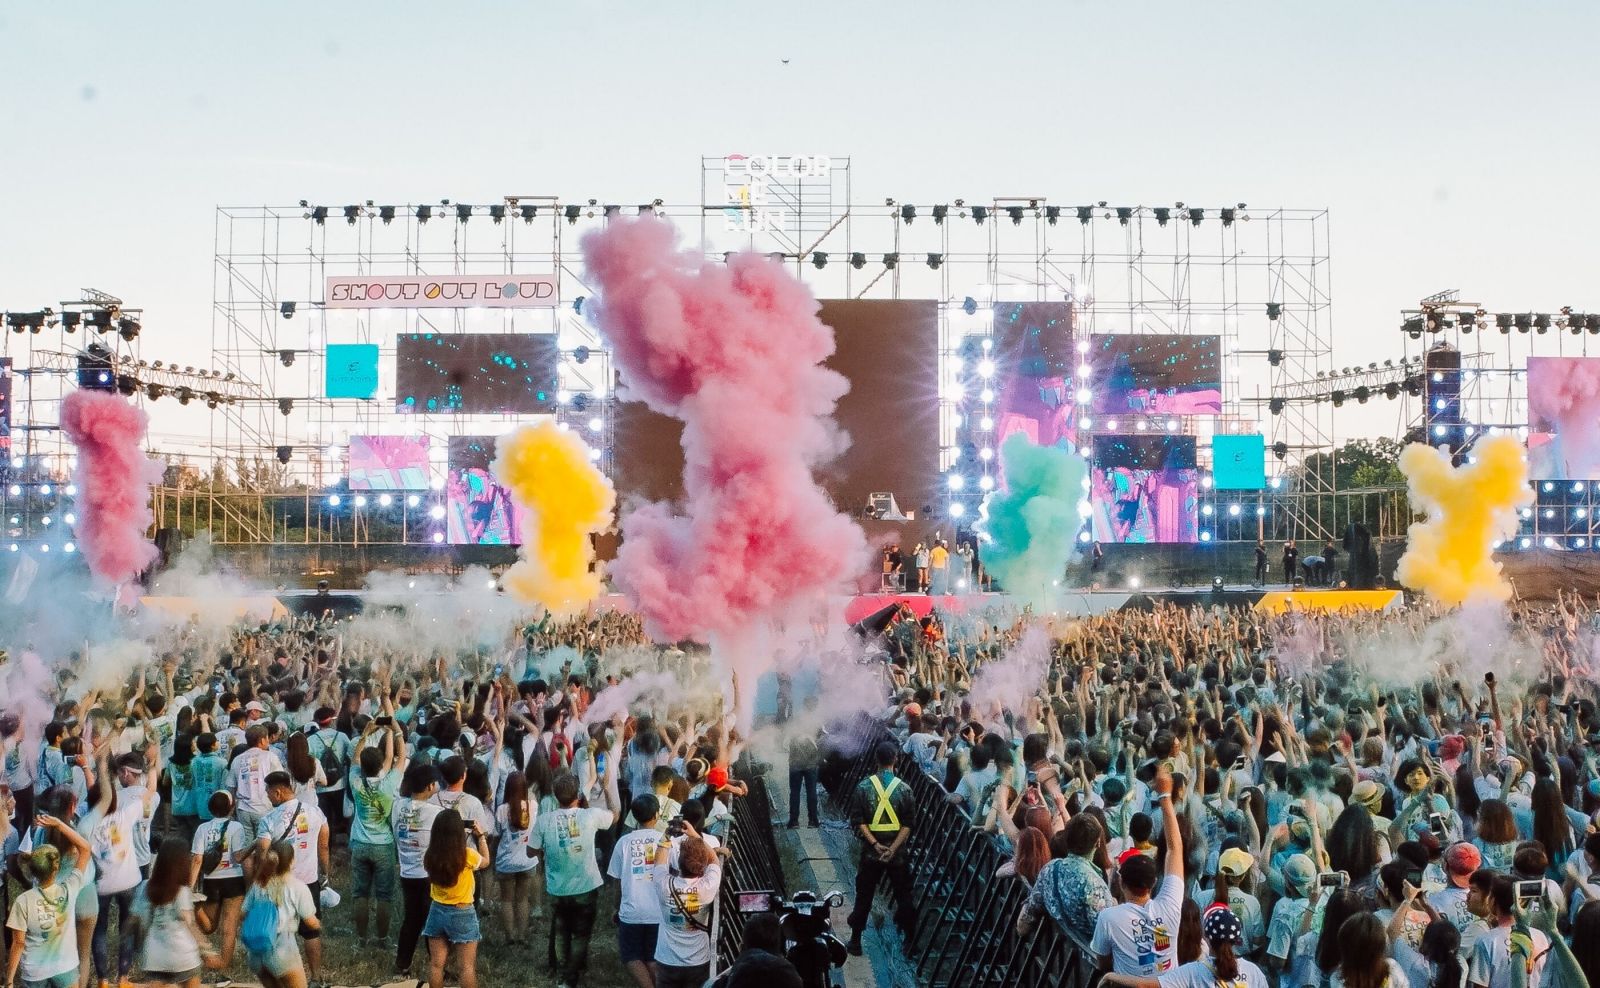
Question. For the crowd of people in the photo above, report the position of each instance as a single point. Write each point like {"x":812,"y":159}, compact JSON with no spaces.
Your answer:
{"x":1199,"y":797}
{"x":221,"y":809}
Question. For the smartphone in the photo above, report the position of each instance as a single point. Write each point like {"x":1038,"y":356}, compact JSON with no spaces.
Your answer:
{"x":383,"y":721}
{"x":1530,"y":893}
{"x":1436,"y":824}
{"x":1488,"y":678}
{"x":1333,"y":879}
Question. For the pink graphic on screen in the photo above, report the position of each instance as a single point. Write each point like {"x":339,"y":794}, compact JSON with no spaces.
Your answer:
{"x":388,"y":463}
{"x":479,"y":511}
{"x":1033,"y":354}
{"x":1144,"y":489}
{"x":1564,"y":401}
{"x":1150,"y":374}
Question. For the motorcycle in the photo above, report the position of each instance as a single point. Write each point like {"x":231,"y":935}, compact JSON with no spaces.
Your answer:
{"x":808,"y":939}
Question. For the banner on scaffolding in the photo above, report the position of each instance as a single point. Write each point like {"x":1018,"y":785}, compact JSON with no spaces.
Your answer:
{"x":452,"y":291}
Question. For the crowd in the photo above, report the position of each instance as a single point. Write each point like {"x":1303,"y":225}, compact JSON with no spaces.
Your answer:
{"x":1201,"y":797}
{"x":226,"y":806}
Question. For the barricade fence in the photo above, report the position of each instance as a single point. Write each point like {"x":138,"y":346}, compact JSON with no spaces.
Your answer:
{"x":966,"y":917}
{"x":753,"y":865}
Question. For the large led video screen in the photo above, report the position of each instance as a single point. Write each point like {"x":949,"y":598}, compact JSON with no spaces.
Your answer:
{"x":1034,"y":366}
{"x":1564,"y":417}
{"x":476,"y":373}
{"x":1150,"y":374}
{"x":1239,"y":463}
{"x":1144,"y":489}
{"x":478,"y":510}
{"x":388,"y":463}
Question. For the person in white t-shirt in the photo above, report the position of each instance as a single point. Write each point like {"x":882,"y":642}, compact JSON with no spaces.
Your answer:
{"x":572,"y":875}
{"x":109,"y":828}
{"x":224,"y":885}
{"x":44,"y":935}
{"x":411,"y":819}
{"x":247,"y":777}
{"x":1140,"y":936}
{"x":634,"y":862}
{"x":687,"y":886}
{"x":1223,"y":934}
{"x":516,"y":863}
{"x":1491,"y":960}
{"x":301,"y":825}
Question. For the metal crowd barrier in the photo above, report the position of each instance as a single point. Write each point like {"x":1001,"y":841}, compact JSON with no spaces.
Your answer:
{"x":754,"y":864}
{"x":966,"y":918}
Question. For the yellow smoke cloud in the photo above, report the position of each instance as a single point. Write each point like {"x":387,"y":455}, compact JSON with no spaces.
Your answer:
{"x":549,"y":474}
{"x":1449,"y":556}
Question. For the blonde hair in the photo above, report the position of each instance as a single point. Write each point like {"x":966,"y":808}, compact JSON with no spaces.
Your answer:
{"x":42,"y":863}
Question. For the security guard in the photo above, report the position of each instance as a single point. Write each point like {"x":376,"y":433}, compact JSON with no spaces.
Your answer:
{"x":882,"y":812}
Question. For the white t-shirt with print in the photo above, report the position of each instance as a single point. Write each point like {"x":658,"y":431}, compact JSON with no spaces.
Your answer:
{"x":514,"y":853}
{"x":1199,"y":974}
{"x":234,"y":842}
{"x":686,"y":905}
{"x":301,"y":824}
{"x":110,"y":838}
{"x":634,"y":863}
{"x":47,"y":920}
{"x":1142,"y":940}
{"x":412,"y":823}
{"x":248,"y":779}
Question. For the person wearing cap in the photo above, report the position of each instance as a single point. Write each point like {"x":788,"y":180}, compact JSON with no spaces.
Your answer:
{"x":1223,"y":933}
{"x":1453,"y":901}
{"x":1140,"y":936}
{"x":882,"y":813}
{"x":1234,"y":867}
{"x":1288,"y":914}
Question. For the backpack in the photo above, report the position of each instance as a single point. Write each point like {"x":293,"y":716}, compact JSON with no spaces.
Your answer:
{"x":259,"y":931}
{"x":213,"y":854}
{"x":331,"y":769}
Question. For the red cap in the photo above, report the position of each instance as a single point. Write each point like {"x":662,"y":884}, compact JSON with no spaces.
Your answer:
{"x":717,"y":778}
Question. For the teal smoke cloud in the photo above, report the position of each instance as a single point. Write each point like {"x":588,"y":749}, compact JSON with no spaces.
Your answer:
{"x":1030,"y":528}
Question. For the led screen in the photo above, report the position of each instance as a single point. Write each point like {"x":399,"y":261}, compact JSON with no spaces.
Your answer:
{"x":1239,"y":463}
{"x":479,"y":510}
{"x":1034,"y":366}
{"x":1144,"y":489}
{"x":388,"y":463}
{"x":1155,"y":375}
{"x":350,"y":370}
{"x":476,"y":373}
{"x":1564,"y":415}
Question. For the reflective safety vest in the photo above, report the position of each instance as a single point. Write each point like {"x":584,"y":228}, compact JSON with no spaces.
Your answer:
{"x":884,"y":818}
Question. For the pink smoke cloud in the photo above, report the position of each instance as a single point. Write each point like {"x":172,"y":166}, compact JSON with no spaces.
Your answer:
{"x":1564,"y":396}
{"x":114,"y":479}
{"x":736,"y":353}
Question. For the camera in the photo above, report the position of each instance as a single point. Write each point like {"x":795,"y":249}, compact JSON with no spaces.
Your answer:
{"x":675,"y":828}
{"x":1530,"y":893}
{"x":1333,"y":879}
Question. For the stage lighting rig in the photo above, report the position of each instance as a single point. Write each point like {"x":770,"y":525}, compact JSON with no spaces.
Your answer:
{"x":935,"y":260}
{"x":497,"y":212}
{"x":1085,"y":214}
{"x":463,"y":212}
{"x":979,"y":214}
{"x":858,"y":260}
{"x":1015,"y":212}
{"x":287,"y":310}
{"x":424,"y":214}
{"x":351,"y":214}
{"x":908,"y":212}
{"x":1163,"y":215}
{"x":1227,"y":215}
{"x":819,"y":259}
{"x":1124,"y":214}
{"x":1196,"y":215}
{"x":571,"y":213}
{"x":528,"y":211}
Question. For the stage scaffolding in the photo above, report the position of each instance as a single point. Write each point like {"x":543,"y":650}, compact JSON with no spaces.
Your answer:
{"x":1258,"y":278}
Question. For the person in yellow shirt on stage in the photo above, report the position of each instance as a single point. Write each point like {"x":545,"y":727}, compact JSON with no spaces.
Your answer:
{"x":939,"y":568}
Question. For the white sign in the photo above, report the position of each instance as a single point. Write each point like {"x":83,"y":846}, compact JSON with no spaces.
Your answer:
{"x":451,"y":291}
{"x":746,"y":181}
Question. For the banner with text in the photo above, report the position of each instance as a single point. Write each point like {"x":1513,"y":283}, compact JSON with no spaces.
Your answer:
{"x":451,"y":291}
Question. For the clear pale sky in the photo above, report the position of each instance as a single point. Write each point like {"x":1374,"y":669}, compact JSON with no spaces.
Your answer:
{"x":1454,"y":142}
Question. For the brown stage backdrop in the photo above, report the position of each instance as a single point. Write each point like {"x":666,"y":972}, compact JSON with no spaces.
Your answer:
{"x":889,"y":350}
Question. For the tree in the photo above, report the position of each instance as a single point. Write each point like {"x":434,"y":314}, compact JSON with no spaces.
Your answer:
{"x":1358,"y":482}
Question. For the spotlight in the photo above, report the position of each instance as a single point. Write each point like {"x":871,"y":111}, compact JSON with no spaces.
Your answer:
{"x":424,"y":214}
{"x":1363,"y":393}
{"x":1275,"y":406}
{"x":1524,"y":321}
{"x":956,"y":509}
{"x":1133,"y":582}
{"x":1052,"y":214}
{"x":1085,"y":214}
{"x":438,"y":537}
{"x":285,"y":453}
{"x":320,"y":215}
{"x":890,"y":260}
{"x":286,"y":358}
{"x":528,"y":211}
{"x":1338,"y":399}
{"x":980,"y":213}
{"x":934,"y":260}
{"x":286,"y":405}
{"x":1227,"y":216}
{"x":1124,"y":214}
{"x":154,"y":391}
{"x":1591,"y":322}
{"x":596,"y":424}
{"x":611,"y":211}
{"x":334,"y":500}
{"x":386,"y":214}
{"x":413,"y":500}
{"x":858,"y":260}
{"x":1280,"y":449}
{"x":1466,"y":321}
{"x":1163,"y":214}
{"x":969,"y":305}
{"x":350,"y":214}
{"x":1274,"y":357}
{"x":1196,"y":215}
{"x":819,"y":259}
{"x":128,"y":329}
{"x":287,"y":310}
{"x":908,"y":212}
{"x":361,"y":500}
{"x":1541,"y":322}
{"x":436,"y":512}
{"x":571,"y":213}
{"x":1391,"y":391}
{"x":1274,"y":310}
{"x":939,"y":213}
{"x":986,"y":368}
{"x":1015,"y":212}
{"x":463,"y":212}
{"x":69,"y":321}
{"x":497,"y":212}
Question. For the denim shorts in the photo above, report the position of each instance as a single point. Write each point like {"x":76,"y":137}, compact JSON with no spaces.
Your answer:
{"x":372,"y":870}
{"x":66,"y":979}
{"x":455,"y":924}
{"x":637,"y":941}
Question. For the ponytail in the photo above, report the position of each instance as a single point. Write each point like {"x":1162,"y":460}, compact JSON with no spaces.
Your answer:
{"x":1223,"y":961}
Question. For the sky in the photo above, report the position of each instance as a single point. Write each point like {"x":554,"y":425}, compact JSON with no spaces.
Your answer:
{"x":1453,"y":142}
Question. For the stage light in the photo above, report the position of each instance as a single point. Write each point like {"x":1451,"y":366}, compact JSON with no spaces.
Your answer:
{"x":1275,"y":406}
{"x":463,"y":212}
{"x":1261,"y":511}
{"x":1591,"y":322}
{"x":285,"y":405}
{"x":128,"y":329}
{"x":1206,"y":482}
{"x":596,"y":424}
{"x":986,"y":454}
{"x":987,"y":344}
{"x":424,"y":214}
{"x":1338,"y":399}
{"x":69,"y":321}
{"x":1233,"y":510}
{"x":528,"y":211}
{"x":1548,"y":486}
{"x":350,"y":214}
{"x":956,"y":482}
{"x":1275,"y":483}
{"x":497,"y":212}
{"x":1580,"y":513}
{"x":1084,"y":537}
{"x":71,"y":490}
{"x":571,"y":213}
{"x":986,"y":423}
{"x":969,"y":305}
{"x":563,"y":396}
{"x":1577,"y":488}
{"x":45,"y":547}
{"x":320,"y":215}
{"x":986,"y":483}
{"x":1227,"y":215}
{"x":1052,"y":214}
{"x":580,"y":402}
{"x":1391,"y":390}
{"x":1015,"y":212}
{"x":16,"y":490}
{"x":1112,"y":425}
{"x":1363,"y":393}
{"x":890,"y":260}
{"x":413,"y":500}
{"x":361,"y":500}
{"x":436,"y":512}
{"x":1541,"y":322}
{"x":438,"y":537}
{"x":1083,"y":346}
{"x":1141,"y":425}
{"x":1206,"y":510}
{"x":1172,"y":425}
{"x":1163,"y":214}
{"x":1085,"y":214}
{"x":986,"y":395}
{"x":956,"y":509}
{"x":980,"y":213}
{"x":334,"y":500}
{"x":908,"y":212}
{"x":45,"y":489}
{"x":819,"y":259}
{"x":1579,"y":543}
{"x":1524,"y":543}
{"x":1274,"y":357}
{"x":1124,"y":214}
{"x":940,"y":212}
{"x":437,"y":483}
{"x":1549,"y":512}
{"x":1196,"y":215}
{"x":1085,"y":423}
{"x":986,"y":368}
{"x":1206,"y":537}
{"x":935,"y":260}
{"x":858,"y":260}
{"x":1438,"y":430}
{"x":1549,"y":543}
{"x":1133,"y":581}
{"x":384,"y":500}
{"x":1082,"y":396}
{"x":1524,"y":321}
